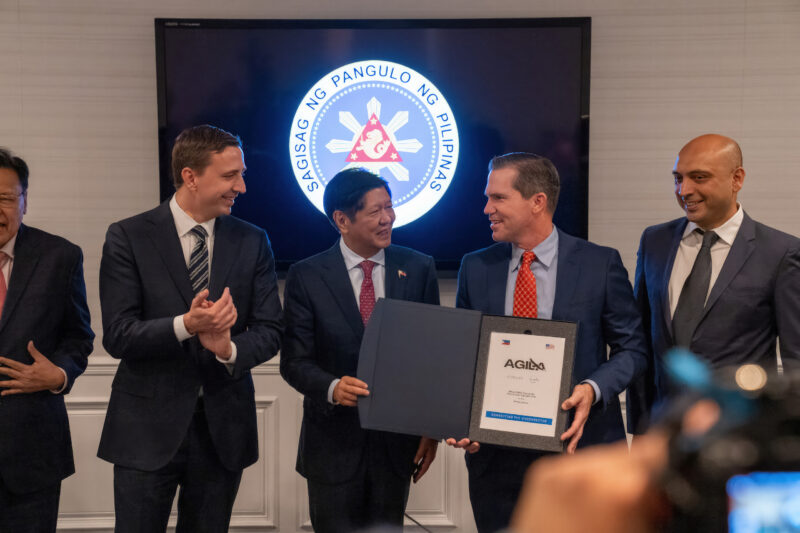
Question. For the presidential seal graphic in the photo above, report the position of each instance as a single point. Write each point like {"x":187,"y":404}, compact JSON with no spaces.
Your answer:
{"x":381,"y":116}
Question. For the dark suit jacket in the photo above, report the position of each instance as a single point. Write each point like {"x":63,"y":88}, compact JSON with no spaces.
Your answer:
{"x":592,"y":289}
{"x":321,"y":343}
{"x":46,"y":303}
{"x":755,"y":298}
{"x":144,"y":284}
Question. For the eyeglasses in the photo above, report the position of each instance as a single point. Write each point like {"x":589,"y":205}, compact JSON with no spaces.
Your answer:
{"x":7,"y":200}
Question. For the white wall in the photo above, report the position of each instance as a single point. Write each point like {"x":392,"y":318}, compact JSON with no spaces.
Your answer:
{"x":78,"y":102}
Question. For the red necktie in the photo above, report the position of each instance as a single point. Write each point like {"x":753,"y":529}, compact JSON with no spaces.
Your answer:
{"x":3,"y":287}
{"x":366,"y":300}
{"x":525,"y":289}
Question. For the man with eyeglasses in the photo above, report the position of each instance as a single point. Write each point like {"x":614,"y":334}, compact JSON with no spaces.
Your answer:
{"x":45,"y":340}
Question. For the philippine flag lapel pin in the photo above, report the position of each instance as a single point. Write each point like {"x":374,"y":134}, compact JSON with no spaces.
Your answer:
{"x":401,"y":274}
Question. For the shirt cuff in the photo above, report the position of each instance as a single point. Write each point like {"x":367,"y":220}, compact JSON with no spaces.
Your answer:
{"x":330,"y":390}
{"x":64,"y":386}
{"x":181,"y":333}
{"x":229,"y":362}
{"x":596,"y":389}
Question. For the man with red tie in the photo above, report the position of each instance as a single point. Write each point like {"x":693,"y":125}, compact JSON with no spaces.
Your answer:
{"x":45,"y":339}
{"x":356,"y":478}
{"x":538,"y":271}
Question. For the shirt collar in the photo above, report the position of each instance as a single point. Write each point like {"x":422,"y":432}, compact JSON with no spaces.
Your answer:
{"x":184,"y":222}
{"x":545,"y":251}
{"x":352,"y":259}
{"x":727,"y":232}
{"x":8,"y":247}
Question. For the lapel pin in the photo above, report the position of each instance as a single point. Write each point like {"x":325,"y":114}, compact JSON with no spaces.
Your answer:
{"x":401,"y":274}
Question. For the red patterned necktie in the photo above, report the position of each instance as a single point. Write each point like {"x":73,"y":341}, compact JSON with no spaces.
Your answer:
{"x":3,"y":287}
{"x":366,"y":300}
{"x":525,"y":289}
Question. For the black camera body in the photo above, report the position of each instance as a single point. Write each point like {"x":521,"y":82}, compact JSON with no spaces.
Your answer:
{"x":756,"y":432}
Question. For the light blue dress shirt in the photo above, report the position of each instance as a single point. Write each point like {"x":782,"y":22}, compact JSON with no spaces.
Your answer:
{"x":545,"y":269}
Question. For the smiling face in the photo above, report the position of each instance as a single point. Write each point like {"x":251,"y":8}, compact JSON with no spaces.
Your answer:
{"x":212,"y":192}
{"x":13,"y":204}
{"x":512,"y":217}
{"x":708,"y":176}
{"x":370,"y":229}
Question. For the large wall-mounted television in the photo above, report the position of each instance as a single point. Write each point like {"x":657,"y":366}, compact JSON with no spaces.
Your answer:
{"x":424,"y":103}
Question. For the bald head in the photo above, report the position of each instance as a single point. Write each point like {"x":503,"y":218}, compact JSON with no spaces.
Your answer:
{"x":725,"y":148}
{"x":708,"y":176}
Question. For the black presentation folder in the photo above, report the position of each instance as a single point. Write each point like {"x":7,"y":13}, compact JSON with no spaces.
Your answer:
{"x":426,"y":365}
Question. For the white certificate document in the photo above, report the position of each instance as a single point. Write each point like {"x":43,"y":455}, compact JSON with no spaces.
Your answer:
{"x":523,"y":380}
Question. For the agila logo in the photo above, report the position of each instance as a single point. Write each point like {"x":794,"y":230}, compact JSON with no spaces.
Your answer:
{"x":530,"y":364}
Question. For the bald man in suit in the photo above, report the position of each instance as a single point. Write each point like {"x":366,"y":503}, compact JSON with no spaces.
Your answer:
{"x":714,"y":281}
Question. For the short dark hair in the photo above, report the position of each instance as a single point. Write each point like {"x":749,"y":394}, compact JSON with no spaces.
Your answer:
{"x":194,"y":146}
{"x":345,"y":192}
{"x":17,"y":164}
{"x":535,"y":174}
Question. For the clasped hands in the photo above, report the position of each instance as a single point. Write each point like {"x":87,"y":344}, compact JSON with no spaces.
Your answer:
{"x":581,"y":400}
{"x":40,"y":375}
{"x":212,"y":321}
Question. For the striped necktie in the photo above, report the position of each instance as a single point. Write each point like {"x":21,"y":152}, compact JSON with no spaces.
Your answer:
{"x":198,"y":261}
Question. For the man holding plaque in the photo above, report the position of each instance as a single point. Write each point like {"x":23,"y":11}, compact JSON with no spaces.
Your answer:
{"x":356,"y":478}
{"x":537,"y":271}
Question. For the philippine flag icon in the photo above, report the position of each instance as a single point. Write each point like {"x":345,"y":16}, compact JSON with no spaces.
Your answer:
{"x":506,"y":342}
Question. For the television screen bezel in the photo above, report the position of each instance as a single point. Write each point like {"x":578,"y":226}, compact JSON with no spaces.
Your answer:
{"x":446,"y":268}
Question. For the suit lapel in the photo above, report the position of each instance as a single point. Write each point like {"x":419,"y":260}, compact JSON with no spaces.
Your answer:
{"x":396,"y":281}
{"x":226,"y":245}
{"x":497,"y":277}
{"x":165,"y":240}
{"x":569,"y":271}
{"x":334,"y":275}
{"x":665,"y":276}
{"x":25,"y":260}
{"x":743,"y":245}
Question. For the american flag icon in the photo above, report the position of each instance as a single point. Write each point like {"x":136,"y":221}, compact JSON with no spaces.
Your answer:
{"x":549,"y":346}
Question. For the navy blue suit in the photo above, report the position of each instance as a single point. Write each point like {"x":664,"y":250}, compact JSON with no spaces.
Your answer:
{"x":755,"y":298}
{"x":46,"y":303}
{"x":321,"y":343}
{"x":144,"y":284}
{"x":592,"y":289}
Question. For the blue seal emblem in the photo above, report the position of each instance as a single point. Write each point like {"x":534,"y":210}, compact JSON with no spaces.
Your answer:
{"x":381,"y":116}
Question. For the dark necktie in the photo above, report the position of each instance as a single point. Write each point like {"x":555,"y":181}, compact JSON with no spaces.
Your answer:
{"x":198,"y":261}
{"x":525,"y":288}
{"x":3,"y":286}
{"x":692,"y":300}
{"x":366,"y":299}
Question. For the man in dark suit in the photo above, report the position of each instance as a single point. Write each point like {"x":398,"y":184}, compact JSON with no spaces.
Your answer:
{"x":356,"y":478}
{"x":536,"y":270}
{"x":190,"y":304}
{"x":746,"y":277}
{"x":45,"y":339}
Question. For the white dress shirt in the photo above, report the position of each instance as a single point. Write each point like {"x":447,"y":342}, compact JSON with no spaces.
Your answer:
{"x":690,"y":247}
{"x":8,"y":248}
{"x":352,"y":261}
{"x":183,"y":225}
